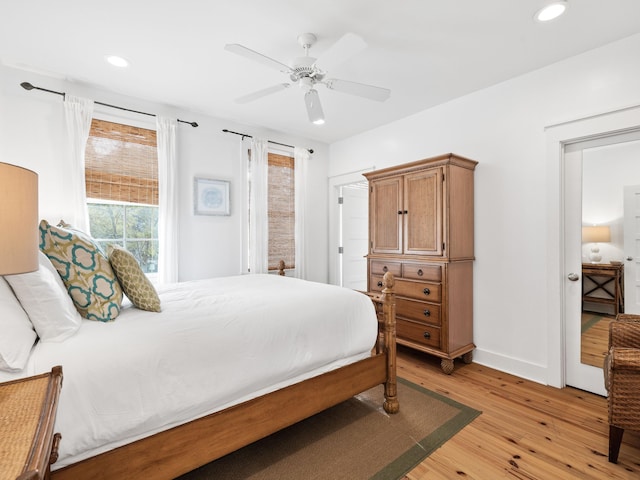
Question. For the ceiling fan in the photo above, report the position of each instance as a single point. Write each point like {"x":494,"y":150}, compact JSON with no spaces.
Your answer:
{"x":307,"y":72}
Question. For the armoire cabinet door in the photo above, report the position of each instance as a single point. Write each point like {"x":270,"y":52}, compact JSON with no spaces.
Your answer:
{"x":423,"y":212}
{"x":385,"y":215}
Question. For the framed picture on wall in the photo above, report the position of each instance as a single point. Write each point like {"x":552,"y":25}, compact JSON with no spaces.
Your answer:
{"x":211,"y":197}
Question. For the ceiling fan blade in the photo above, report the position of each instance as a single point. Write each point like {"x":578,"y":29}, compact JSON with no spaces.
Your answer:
{"x":256,"y":57}
{"x":262,"y":93}
{"x":346,"y":47}
{"x":360,"y":89}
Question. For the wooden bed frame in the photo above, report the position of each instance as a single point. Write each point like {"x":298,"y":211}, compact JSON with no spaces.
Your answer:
{"x":181,"y":449}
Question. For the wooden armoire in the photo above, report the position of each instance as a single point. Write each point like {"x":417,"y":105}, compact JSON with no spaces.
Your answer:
{"x":421,"y":230}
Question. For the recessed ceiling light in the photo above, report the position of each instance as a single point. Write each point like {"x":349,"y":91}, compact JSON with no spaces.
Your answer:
{"x":117,"y":61}
{"x":551,"y":11}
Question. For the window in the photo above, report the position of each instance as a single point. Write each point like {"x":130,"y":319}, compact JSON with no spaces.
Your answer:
{"x":121,"y":173}
{"x":281,"y":208}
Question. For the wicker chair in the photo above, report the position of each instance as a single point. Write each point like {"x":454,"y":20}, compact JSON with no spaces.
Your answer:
{"x":622,"y":379}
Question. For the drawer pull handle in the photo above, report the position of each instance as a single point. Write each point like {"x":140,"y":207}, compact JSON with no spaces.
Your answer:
{"x":426,"y":291}
{"x":399,"y":212}
{"x":420,"y":272}
{"x":427,"y":313}
{"x":426,"y":335}
{"x":385,"y":269}
{"x":380,"y":284}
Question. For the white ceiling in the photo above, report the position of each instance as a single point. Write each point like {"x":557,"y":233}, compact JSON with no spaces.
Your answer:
{"x":426,"y":51}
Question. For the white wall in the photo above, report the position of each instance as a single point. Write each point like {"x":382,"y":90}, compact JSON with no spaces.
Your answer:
{"x":605,"y":172}
{"x":502,"y":127}
{"x":33,"y":135}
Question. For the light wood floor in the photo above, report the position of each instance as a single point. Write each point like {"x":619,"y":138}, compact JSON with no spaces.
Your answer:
{"x":526,"y":431}
{"x":594,"y":342}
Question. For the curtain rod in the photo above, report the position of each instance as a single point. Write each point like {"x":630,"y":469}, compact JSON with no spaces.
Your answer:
{"x":243,"y":135}
{"x":28,"y":86}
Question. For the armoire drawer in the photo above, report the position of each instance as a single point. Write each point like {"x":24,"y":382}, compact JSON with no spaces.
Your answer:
{"x":375,"y":285}
{"x":420,"y":311}
{"x":418,"y":271}
{"x":418,"y":333}
{"x":418,"y":290}
{"x":380,"y":267}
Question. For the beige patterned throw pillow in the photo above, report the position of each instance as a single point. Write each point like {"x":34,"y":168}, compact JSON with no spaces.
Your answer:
{"x":135,"y":283}
{"x":85,"y":271}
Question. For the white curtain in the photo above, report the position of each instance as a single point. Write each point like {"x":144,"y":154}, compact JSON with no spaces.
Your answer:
{"x":301,"y":158}
{"x":168,"y":200}
{"x":258,"y":213}
{"x":78,"y":112}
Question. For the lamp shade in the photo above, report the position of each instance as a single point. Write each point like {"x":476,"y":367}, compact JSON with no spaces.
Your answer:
{"x":19,"y":220}
{"x":596,"y":234}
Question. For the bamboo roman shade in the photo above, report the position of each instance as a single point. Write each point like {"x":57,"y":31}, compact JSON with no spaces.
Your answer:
{"x":281,"y":206}
{"x":121,"y":163}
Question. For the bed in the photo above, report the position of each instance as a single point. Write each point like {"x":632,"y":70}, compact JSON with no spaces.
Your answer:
{"x":226,"y":361}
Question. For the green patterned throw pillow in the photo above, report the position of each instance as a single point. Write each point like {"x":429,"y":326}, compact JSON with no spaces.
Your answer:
{"x":85,"y":271}
{"x":134,"y":282}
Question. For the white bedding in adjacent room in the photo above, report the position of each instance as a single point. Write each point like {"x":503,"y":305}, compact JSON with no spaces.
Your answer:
{"x":217,"y":342}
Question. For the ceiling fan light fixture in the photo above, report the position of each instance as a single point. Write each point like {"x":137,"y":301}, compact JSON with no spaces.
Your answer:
{"x":551,"y":11}
{"x":305,"y":82}
{"x":314,"y":108}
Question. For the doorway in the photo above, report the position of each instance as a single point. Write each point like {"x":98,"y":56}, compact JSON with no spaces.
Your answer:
{"x":348,"y":229}
{"x":596,"y":174}
{"x":566,"y":145}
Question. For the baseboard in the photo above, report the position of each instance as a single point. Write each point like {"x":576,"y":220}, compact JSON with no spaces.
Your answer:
{"x":513,"y":366}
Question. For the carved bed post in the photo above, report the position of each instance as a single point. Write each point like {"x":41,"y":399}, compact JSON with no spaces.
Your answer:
{"x":281,"y":268}
{"x":391,"y":404}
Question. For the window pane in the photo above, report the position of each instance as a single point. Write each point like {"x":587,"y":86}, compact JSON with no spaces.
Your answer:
{"x":106,"y":221}
{"x":140,"y":237}
{"x":142,"y":222}
{"x":146,"y":252}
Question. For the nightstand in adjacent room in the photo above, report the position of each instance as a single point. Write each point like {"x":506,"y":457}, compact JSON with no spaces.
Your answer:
{"x":603,"y":284}
{"x":28,"y":408}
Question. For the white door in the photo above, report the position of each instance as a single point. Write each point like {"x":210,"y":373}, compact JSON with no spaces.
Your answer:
{"x":631,"y":249}
{"x":587,"y":377}
{"x":579,"y":375}
{"x":564,"y":297}
{"x":336,"y":184}
{"x":354,"y":235}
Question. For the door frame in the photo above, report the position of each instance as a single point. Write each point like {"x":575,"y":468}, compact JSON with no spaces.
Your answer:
{"x":335,"y":183}
{"x":558,"y":136}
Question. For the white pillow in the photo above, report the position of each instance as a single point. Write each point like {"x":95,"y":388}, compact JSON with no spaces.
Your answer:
{"x":45,"y":299}
{"x":17,"y":337}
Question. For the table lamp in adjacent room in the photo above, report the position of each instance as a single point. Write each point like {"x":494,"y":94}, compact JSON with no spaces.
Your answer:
{"x":596,"y":235}
{"x":19,"y":220}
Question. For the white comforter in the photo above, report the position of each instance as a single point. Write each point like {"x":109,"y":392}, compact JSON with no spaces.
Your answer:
{"x":216,"y":343}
